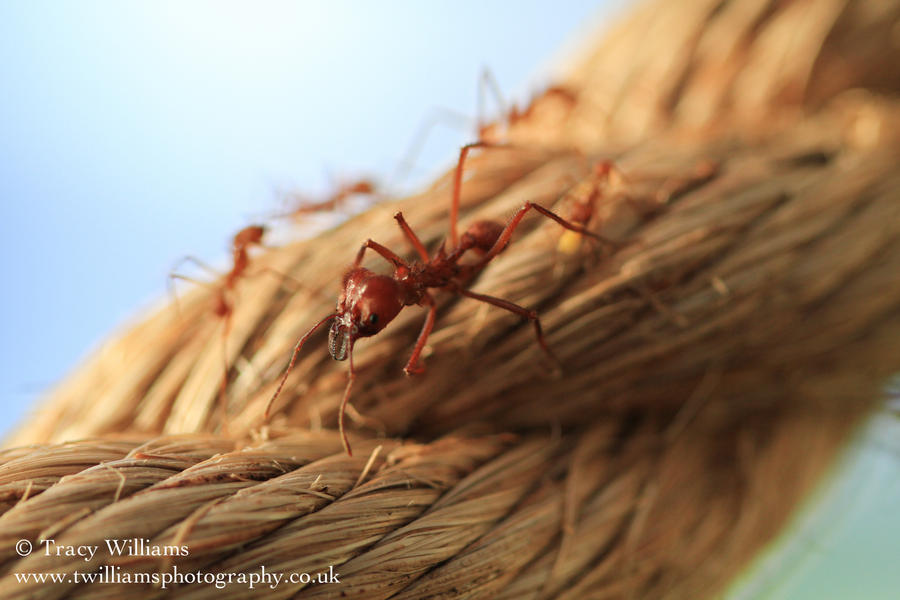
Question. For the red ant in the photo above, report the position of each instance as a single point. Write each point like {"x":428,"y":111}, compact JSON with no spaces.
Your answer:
{"x":223,"y":306}
{"x":586,"y":196}
{"x":369,"y":301}
{"x":489,"y":133}
{"x":510,"y":117}
{"x":336,"y":200}
{"x":607,"y":180}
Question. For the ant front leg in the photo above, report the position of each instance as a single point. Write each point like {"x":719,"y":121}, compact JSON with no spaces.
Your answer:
{"x":531,"y":315}
{"x":412,"y":237}
{"x":487,"y":82}
{"x":457,"y":185}
{"x":457,"y":188}
{"x":196,"y":261}
{"x":412,"y":368}
{"x":437,"y":116}
{"x":173,"y":275}
{"x":388,"y":255}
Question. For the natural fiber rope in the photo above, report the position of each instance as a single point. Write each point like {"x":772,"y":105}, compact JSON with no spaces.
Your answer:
{"x":713,"y":364}
{"x":452,"y":517}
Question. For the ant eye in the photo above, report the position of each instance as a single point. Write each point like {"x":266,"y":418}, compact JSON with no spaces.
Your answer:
{"x":373,"y":319}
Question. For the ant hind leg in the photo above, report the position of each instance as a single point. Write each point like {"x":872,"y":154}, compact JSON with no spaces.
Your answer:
{"x":412,"y":367}
{"x":523,"y":312}
{"x":507,"y":232}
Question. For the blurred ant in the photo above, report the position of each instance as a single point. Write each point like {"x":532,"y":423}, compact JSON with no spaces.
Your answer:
{"x":606,"y":181}
{"x":240,"y":259}
{"x":335,"y":201}
{"x":585,"y":197}
{"x":495,"y":132}
{"x":487,"y":132}
{"x":223,"y":306}
{"x":369,"y":301}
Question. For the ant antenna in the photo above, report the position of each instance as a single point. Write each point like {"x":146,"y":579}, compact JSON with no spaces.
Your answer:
{"x":344,"y":401}
{"x":294,"y":360}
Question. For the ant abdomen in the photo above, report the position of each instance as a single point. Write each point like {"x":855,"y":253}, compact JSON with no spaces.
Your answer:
{"x":482,"y":235}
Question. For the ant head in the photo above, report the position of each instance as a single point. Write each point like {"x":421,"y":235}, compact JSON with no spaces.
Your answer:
{"x":368,"y":303}
{"x":363,"y":186}
{"x":252,"y":234}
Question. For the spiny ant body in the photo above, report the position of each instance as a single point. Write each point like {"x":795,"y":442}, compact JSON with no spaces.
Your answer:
{"x":368,"y":301}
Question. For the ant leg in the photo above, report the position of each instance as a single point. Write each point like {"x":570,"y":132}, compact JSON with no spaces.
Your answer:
{"x":294,"y":360}
{"x":487,"y":81}
{"x":284,"y":277}
{"x":385,"y":252}
{"x":457,"y":187}
{"x":170,"y":286}
{"x":196,"y":261}
{"x":531,"y":315}
{"x":351,"y":376}
{"x":295,"y":287}
{"x":174,"y":276}
{"x":411,"y":367}
{"x":412,"y":237}
{"x":437,"y":116}
{"x":170,"y":281}
{"x":507,"y":232}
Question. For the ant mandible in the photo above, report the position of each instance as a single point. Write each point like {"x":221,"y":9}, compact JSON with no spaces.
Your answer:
{"x":369,"y":301}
